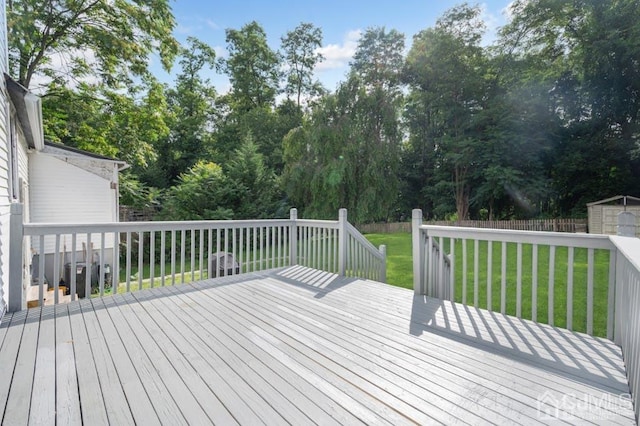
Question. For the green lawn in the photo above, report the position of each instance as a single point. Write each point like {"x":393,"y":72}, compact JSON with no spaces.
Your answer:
{"x":400,"y":273}
{"x":399,"y":261}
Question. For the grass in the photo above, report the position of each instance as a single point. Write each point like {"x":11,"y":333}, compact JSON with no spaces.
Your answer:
{"x":399,"y":261}
{"x":400,"y":273}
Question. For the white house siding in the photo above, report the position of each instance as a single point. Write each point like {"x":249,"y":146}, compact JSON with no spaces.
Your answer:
{"x":5,"y":199}
{"x":61,"y":192}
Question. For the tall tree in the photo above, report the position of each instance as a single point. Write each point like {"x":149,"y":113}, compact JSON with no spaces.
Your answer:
{"x":191,"y":106}
{"x":347,"y":153}
{"x":446,"y":64}
{"x":301,"y":55}
{"x":589,"y":71}
{"x":379,"y":57}
{"x":252,"y":67}
{"x":118,"y":37}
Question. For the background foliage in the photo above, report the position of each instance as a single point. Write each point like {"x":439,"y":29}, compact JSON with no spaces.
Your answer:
{"x":536,"y":124}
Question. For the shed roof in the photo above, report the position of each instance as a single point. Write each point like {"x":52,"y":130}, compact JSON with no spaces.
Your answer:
{"x":627,"y":198}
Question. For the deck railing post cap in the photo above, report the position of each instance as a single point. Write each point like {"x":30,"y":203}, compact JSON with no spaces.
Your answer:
{"x":416,"y":214}
{"x":342,"y":213}
{"x":293,"y":213}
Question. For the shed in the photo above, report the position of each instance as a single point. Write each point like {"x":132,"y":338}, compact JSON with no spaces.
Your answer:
{"x":603,"y":214}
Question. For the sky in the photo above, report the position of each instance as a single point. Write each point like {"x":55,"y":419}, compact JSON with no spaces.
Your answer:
{"x":341,"y":21}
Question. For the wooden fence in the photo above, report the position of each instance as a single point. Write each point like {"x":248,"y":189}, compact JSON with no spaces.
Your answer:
{"x":552,"y":225}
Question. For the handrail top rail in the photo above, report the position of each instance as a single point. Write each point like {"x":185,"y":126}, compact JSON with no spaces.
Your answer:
{"x":353,"y":231}
{"x":595,"y":241}
{"x":36,"y":229}
{"x":325,"y":223}
{"x":629,"y":247}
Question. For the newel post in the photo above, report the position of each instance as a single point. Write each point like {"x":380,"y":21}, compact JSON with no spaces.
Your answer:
{"x":342,"y":242}
{"x":16,"y":241}
{"x":418,"y":251}
{"x":383,"y":269}
{"x":293,"y":237}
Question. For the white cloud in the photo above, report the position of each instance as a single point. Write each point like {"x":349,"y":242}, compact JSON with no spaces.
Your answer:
{"x":211,"y":24}
{"x":221,"y":52}
{"x":183,"y":29}
{"x":339,"y":55}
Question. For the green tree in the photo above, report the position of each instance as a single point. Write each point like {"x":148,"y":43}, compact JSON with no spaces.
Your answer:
{"x":256,"y":186}
{"x":586,"y":55}
{"x":120,"y":36}
{"x":252,"y":67}
{"x":446,"y":69}
{"x":108,"y":122}
{"x":301,"y":55}
{"x":201,"y":193}
{"x":191,"y":105}
{"x":379,"y":57}
{"x":346,"y":155}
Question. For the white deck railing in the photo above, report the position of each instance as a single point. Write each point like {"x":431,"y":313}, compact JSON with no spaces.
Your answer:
{"x":627,"y":310}
{"x":587,"y":283}
{"x":122,"y":257}
{"x":492,"y":267}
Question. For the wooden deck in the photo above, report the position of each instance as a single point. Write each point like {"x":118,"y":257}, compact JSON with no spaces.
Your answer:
{"x":299,"y":346}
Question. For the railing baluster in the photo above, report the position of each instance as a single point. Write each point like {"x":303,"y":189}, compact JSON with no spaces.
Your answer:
{"x":274,"y":255}
{"x":115,"y":272}
{"x":464,"y":271}
{"x":152,"y":257}
{"x":217,"y":271}
{"x":163,"y":258}
{"x":226,"y":250}
{"x":570,"y":257}
{"x":263,"y":249}
{"x":101,"y":264}
{"x":173,"y":257}
{"x":56,"y":269}
{"x":140,"y":259}
{"x":552,"y":273}
{"x":314,"y":246}
{"x":476,"y":271}
{"x":590,"y":271}
{"x":183,"y":249}
{"x":72,"y":269}
{"x":489,"y":275}
{"x":452,"y":265}
{"x":193,"y":254}
{"x":534,"y":282}
{"x":201,"y":253}
{"x":209,"y":252}
{"x":234,"y":251}
{"x":241,"y":250}
{"x":519,"y":280}
{"x":274,"y":247}
{"x":503,"y":279}
{"x":127,"y":268}
{"x":611,"y":294}
{"x":255,"y":243}
{"x":89,"y":266}
{"x":279,"y":263}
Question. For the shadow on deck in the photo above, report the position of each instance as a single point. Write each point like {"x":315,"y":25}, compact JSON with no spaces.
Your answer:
{"x":299,"y":346}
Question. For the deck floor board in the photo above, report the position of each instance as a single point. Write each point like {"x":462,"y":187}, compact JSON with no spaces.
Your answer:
{"x":299,"y":346}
